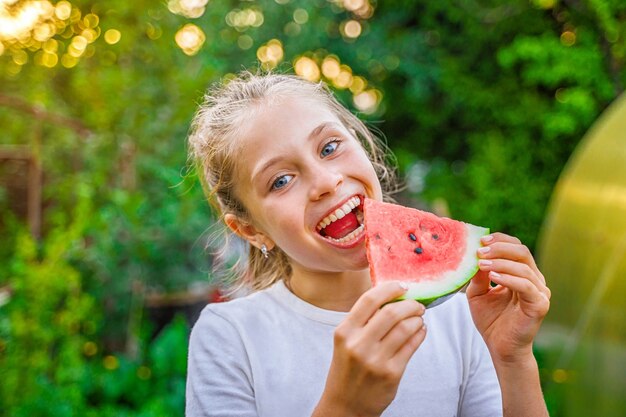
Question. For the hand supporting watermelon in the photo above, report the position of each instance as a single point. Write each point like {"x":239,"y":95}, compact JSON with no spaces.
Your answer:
{"x":508,"y":316}
{"x":372,"y":347}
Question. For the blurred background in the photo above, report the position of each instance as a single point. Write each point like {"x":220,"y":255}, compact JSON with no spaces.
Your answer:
{"x":501,"y":113}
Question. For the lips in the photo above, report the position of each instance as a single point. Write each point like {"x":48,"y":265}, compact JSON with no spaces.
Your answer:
{"x":344,"y":223}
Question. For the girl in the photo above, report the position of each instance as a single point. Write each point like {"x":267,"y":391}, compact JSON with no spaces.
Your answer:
{"x":278,"y":156}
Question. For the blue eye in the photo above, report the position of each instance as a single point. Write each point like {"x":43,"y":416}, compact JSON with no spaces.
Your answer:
{"x":281,"y":181}
{"x":329,"y":148}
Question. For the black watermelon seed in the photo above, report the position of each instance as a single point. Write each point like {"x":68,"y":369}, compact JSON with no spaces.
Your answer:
{"x":377,"y":236}
{"x":435,"y":236}
{"x":418,"y":250}
{"x":412,"y":237}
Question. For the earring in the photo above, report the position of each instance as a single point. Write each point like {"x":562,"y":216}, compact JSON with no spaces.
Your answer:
{"x":264,"y":251}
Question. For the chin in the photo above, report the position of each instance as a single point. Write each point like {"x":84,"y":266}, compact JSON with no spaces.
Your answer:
{"x":359,"y":262}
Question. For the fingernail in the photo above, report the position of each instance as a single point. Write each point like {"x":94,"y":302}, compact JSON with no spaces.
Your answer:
{"x":487,"y":238}
{"x":485,"y":262}
{"x":494,"y":274}
{"x":484,"y":249}
{"x":403,"y":285}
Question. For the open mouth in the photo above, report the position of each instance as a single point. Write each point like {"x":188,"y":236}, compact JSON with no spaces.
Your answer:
{"x":344,"y":223}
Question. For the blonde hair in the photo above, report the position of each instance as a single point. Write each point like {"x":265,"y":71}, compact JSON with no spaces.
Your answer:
{"x":213,"y":147}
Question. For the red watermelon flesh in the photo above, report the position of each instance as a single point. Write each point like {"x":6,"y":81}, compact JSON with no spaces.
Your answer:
{"x":435,"y":256}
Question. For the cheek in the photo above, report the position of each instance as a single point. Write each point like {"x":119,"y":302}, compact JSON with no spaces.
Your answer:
{"x":368,"y":173}
{"x":278,"y":223}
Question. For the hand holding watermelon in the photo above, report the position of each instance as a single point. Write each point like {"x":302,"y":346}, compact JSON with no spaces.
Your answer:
{"x":372,"y":347}
{"x":508,"y":315}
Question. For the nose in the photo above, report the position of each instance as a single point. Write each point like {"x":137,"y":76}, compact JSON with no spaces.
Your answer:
{"x":325,"y":182}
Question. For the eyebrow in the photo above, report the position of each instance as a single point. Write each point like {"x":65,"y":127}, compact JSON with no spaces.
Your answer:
{"x":314,"y":133}
{"x":323,"y":126}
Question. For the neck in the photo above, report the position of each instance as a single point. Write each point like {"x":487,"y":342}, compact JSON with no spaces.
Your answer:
{"x":337,"y":291}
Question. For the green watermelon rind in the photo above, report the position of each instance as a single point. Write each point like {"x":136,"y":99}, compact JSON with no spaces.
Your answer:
{"x":427,"y":292}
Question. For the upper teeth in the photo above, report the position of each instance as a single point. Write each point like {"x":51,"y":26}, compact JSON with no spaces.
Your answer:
{"x":347,"y":207}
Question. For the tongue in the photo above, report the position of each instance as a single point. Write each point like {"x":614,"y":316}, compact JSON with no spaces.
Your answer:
{"x":342,"y":227}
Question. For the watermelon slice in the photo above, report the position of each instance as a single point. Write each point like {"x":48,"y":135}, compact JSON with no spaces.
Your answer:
{"x":435,"y":256}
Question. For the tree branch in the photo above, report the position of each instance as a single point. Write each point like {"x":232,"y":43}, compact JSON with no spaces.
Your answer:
{"x":40,"y":113}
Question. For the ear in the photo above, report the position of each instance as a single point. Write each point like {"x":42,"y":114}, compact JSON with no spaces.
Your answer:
{"x":247,"y":231}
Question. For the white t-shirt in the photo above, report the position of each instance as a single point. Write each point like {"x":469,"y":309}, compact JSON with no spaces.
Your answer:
{"x":268,"y":355}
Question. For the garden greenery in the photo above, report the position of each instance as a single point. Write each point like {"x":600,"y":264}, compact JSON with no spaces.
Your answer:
{"x":483,"y":102}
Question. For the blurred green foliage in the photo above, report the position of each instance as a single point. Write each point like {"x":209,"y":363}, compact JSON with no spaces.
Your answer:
{"x":482,"y":101}
{"x":51,"y":352}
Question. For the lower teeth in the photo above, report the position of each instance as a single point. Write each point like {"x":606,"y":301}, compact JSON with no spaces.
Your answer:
{"x":347,"y":237}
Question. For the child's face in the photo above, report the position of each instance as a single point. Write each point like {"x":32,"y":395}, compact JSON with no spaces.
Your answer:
{"x":297,"y":165}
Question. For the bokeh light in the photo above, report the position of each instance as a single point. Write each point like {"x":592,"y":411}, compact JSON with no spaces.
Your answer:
{"x":367,"y":101}
{"x":292,"y":29}
{"x":69,"y":61}
{"x":20,"y":57}
{"x":245,"y":42}
{"x":41,"y":29}
{"x":242,"y":19}
{"x":90,"y":348}
{"x":307,"y":68}
{"x":270,"y":54}
{"x":561,"y":95}
{"x":112,"y":36}
{"x":361,"y":8}
{"x":300,"y":16}
{"x":358,"y":85}
{"x":62,"y":10}
{"x":190,"y":39}
{"x":188,"y":8}
{"x":46,"y":59}
{"x":568,"y":38}
{"x":331,"y":67}
{"x":153,"y":32}
{"x":351,"y":29}
{"x":17,"y":25}
{"x":339,"y":76}
{"x":344,"y":78}
{"x":110,"y":362}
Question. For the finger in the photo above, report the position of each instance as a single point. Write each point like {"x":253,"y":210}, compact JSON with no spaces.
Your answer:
{"x":479,"y":285}
{"x":527,"y":292}
{"x":507,"y":250}
{"x":499,"y":237}
{"x":399,"y":335}
{"x":390,"y":316}
{"x":519,"y":269}
{"x":370,"y":302}
{"x":406,"y":351}
{"x":513,"y":251}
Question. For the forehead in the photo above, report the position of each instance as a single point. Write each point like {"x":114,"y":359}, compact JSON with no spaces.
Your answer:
{"x":285,"y":115}
{"x":280,"y":124}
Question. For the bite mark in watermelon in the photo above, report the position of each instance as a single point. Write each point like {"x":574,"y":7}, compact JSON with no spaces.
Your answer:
{"x":435,"y":256}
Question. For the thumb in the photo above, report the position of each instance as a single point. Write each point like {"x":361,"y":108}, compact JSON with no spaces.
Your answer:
{"x":479,"y":285}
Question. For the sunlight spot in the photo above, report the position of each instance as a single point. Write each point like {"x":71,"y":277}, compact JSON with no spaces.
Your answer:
{"x":190,"y":39}
{"x":307,"y":68}
{"x":112,"y":36}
